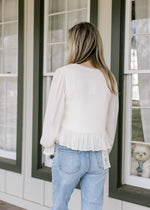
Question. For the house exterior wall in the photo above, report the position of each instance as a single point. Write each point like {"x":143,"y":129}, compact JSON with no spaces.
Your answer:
{"x":21,"y":189}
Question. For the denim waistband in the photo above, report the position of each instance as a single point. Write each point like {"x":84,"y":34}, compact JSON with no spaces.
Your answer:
{"x":57,"y":146}
{"x":68,"y":148}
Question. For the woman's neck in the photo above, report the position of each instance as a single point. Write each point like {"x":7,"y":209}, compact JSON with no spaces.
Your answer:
{"x":87,"y":63}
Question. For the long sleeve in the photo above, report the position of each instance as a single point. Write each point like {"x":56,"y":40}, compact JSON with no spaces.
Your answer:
{"x":112,"y":117}
{"x":54,"y":112}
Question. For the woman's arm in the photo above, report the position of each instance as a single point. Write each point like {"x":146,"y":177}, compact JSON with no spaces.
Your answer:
{"x":54,"y":112}
{"x":112,"y":117}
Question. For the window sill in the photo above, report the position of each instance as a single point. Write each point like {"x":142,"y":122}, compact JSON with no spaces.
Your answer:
{"x":131,"y":194}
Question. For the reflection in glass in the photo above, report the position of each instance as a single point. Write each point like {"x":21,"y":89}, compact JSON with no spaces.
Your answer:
{"x":56,"y":28}
{"x":137,"y":129}
{"x":140,"y":124}
{"x":78,"y":4}
{"x":49,"y":58}
{"x":135,"y":96}
{"x":140,"y":52}
{"x":0,"y":10}
{"x":134,"y":59}
{"x":140,"y":160}
{"x":2,"y":112}
{"x":8,"y":113}
{"x":141,"y":90}
{"x":0,"y":36}
{"x":135,"y":90}
{"x":144,"y":90}
{"x":75,"y":17}
{"x":11,"y":110}
{"x":57,"y":59}
{"x":56,"y":6}
{"x":10,"y":61}
{"x":135,"y":79}
{"x":140,"y":17}
{"x":10,"y":35}
{"x":1,"y":62}
{"x":10,"y":10}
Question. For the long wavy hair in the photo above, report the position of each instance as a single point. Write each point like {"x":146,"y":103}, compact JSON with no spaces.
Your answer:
{"x":84,"y":43}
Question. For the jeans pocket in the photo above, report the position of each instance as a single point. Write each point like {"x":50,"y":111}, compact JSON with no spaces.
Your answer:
{"x":69,"y":160}
{"x":99,"y":159}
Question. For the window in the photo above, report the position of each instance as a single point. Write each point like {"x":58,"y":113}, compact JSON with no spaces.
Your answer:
{"x":55,"y":20}
{"x":131,"y":154}
{"x":137,"y":77}
{"x":11,"y":83}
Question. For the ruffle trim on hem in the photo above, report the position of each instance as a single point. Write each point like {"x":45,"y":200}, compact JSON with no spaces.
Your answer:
{"x":84,"y":140}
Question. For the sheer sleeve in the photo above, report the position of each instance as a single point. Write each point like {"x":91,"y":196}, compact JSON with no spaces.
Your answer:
{"x":54,"y":112}
{"x":112,"y":117}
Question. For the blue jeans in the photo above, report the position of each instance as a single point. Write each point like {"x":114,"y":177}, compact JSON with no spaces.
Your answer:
{"x":71,"y":166}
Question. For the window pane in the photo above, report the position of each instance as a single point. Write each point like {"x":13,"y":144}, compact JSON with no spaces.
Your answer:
{"x":0,"y":36}
{"x":140,"y":52}
{"x":57,"y":58}
{"x":140,"y":16}
{"x":75,"y":17}
{"x":135,"y":79}
{"x":2,"y":112}
{"x":10,"y":61}
{"x":56,"y":28}
{"x":78,"y":4}
{"x":137,"y":130}
{"x":140,"y":125}
{"x":0,"y":10}
{"x":10,"y":35}
{"x":10,"y":10}
{"x":140,"y":160}
{"x":135,"y":96}
{"x":8,"y":113}
{"x":57,"y":6}
{"x":141,"y":90}
{"x":1,"y":62}
{"x":49,"y":58}
{"x":8,"y":84}
{"x":11,"y":110}
{"x":144,"y":89}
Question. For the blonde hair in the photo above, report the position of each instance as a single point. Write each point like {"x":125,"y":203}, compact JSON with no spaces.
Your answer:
{"x":84,"y":42}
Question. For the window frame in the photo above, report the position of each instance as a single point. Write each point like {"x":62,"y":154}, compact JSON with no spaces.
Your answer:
{"x":7,"y":163}
{"x":117,"y":189}
{"x":37,"y":168}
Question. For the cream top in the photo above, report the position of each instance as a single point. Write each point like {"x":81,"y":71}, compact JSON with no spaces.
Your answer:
{"x":81,"y":111}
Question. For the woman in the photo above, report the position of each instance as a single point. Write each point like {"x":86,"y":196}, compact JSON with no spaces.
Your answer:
{"x":80,"y":120}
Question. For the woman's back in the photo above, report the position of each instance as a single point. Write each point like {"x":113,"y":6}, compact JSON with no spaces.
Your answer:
{"x":87,"y":99}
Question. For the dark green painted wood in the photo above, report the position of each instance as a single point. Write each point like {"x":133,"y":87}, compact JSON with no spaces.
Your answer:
{"x":94,"y":12}
{"x":38,"y":170}
{"x":5,"y":163}
{"x":117,"y":63}
{"x":118,"y":190}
